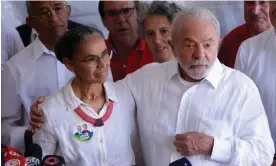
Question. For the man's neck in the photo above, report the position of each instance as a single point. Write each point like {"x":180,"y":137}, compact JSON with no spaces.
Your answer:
{"x":48,"y":42}
{"x":253,"y":31}
{"x":125,"y":46}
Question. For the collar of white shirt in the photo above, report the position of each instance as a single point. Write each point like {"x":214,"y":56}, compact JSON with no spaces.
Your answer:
{"x":73,"y":102}
{"x":213,"y":77}
{"x":40,"y":49}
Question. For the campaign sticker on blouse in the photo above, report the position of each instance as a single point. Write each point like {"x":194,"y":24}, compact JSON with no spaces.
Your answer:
{"x":83,"y":132}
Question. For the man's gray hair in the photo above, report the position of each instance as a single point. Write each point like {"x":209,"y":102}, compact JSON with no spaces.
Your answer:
{"x":163,"y":8}
{"x":194,"y":13}
{"x":28,"y":6}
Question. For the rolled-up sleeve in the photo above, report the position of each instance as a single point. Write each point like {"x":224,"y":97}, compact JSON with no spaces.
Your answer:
{"x":45,"y":137}
{"x":12,"y":116}
{"x":252,"y":143}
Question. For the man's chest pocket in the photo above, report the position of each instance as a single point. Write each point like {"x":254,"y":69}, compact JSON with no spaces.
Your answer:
{"x":215,"y":128}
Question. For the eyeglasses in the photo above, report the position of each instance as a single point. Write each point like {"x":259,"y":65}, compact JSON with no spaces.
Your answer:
{"x":93,"y":61}
{"x":44,"y":14}
{"x":125,"y":12}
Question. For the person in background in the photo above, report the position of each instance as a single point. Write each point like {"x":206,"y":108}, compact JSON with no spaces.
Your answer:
{"x":34,"y":71}
{"x":11,"y":43}
{"x":195,"y":110}
{"x":257,"y":59}
{"x":106,"y":113}
{"x":130,"y":52}
{"x":256,"y":15}
{"x":156,"y":29}
{"x":28,"y":34}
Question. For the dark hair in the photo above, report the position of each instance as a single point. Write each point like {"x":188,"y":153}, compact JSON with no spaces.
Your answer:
{"x":67,"y":45}
{"x":28,"y":6}
{"x":101,"y":7}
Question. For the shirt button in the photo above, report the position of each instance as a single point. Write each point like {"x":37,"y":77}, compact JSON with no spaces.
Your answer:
{"x":101,"y":140}
{"x":124,"y":66}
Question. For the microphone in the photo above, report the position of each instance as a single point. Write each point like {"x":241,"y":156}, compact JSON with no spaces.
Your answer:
{"x":3,"y":147}
{"x":28,"y":138}
{"x":13,"y":157}
{"x":53,"y":160}
{"x":33,"y":155}
{"x":183,"y":161}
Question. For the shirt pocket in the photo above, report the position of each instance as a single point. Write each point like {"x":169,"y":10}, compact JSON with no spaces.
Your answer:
{"x":215,"y":128}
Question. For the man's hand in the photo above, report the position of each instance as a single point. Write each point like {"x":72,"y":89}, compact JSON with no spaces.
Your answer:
{"x":274,"y":163}
{"x":194,"y":143}
{"x":36,"y":114}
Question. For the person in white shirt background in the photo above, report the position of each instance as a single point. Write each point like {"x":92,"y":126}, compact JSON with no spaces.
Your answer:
{"x":257,"y":59}
{"x":11,"y":43}
{"x":195,"y":108}
{"x":88,"y":96}
{"x":155,"y":24}
{"x":34,"y":71}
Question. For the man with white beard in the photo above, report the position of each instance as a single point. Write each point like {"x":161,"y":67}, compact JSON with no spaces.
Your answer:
{"x":196,"y":111}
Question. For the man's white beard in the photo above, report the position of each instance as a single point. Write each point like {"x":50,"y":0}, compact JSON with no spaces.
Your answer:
{"x":196,"y":74}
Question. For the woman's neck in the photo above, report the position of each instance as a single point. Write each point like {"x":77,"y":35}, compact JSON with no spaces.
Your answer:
{"x":88,"y":92}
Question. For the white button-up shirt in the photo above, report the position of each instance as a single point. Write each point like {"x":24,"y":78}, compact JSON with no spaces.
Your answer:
{"x":225,"y":105}
{"x":11,"y":43}
{"x":31,"y":73}
{"x":108,"y":145}
{"x":257,"y":59}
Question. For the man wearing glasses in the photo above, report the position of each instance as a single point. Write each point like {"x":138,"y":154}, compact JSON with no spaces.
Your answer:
{"x":34,"y":71}
{"x":129,"y":51}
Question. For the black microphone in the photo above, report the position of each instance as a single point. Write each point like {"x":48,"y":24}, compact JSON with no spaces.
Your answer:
{"x":181,"y":162}
{"x":28,"y":138}
{"x":2,"y":154}
{"x":33,"y":155}
{"x":53,"y":160}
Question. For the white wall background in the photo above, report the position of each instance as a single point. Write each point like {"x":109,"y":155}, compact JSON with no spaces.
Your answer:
{"x":229,"y":13}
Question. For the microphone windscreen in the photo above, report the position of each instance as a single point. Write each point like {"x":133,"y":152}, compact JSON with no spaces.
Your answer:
{"x":13,"y":157}
{"x":16,"y":161}
{"x":11,"y":151}
{"x":53,"y":160}
{"x":33,"y":155}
